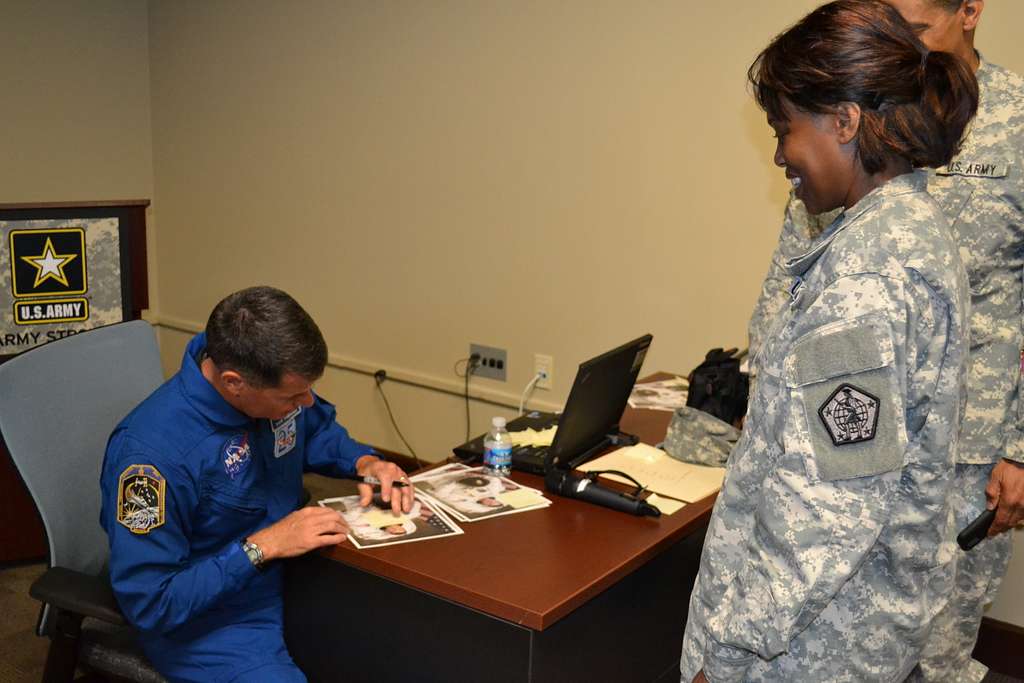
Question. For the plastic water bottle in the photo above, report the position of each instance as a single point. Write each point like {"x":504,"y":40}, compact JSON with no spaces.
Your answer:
{"x":498,"y":449}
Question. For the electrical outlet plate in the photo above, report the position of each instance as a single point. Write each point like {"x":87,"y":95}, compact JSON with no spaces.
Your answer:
{"x":493,"y":362}
{"x":546,"y":364}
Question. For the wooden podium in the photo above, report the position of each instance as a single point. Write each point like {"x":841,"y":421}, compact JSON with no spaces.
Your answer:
{"x":21,"y":532}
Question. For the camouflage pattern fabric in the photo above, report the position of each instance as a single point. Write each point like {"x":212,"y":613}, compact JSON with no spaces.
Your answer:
{"x":103,"y":254}
{"x":978,"y":573}
{"x":982,"y":194}
{"x":799,"y":231}
{"x":829,"y":549}
{"x":700,"y":438}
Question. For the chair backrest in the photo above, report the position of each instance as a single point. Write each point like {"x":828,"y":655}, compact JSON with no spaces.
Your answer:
{"x":58,"y":405}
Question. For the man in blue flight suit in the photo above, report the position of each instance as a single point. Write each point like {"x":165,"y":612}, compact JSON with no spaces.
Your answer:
{"x":200,"y":488}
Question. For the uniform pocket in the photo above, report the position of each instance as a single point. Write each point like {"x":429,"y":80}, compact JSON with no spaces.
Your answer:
{"x":845,"y":380}
{"x":237,"y":501}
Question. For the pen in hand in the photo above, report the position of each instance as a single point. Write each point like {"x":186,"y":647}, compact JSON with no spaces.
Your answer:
{"x":373,"y":481}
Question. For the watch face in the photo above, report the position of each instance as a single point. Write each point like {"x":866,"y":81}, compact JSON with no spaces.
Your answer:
{"x":253,"y":553}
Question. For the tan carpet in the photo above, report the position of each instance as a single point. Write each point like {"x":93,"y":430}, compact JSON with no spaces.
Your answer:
{"x":22,"y":653}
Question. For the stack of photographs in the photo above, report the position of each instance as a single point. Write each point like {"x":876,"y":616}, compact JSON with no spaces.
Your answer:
{"x":377,"y":525}
{"x":469,"y":494}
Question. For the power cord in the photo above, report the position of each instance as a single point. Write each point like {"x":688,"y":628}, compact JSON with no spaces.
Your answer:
{"x":379,"y":378}
{"x":529,"y":388}
{"x":472,"y":363}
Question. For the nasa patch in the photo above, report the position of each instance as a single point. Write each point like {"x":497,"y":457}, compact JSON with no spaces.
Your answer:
{"x":850,"y":415}
{"x":237,"y":454}
{"x":141,"y":492}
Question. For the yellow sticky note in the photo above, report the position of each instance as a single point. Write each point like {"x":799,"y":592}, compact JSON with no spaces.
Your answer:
{"x":666,"y":505}
{"x":382,"y":518}
{"x":520,"y":498}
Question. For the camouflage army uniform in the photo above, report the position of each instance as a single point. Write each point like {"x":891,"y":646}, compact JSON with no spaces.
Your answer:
{"x":982,"y":194}
{"x":828,"y":552}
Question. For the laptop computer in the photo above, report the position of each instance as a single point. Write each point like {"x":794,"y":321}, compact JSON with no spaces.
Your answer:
{"x":591,"y":416}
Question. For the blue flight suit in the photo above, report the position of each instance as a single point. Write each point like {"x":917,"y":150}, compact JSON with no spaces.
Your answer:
{"x":186,"y":477}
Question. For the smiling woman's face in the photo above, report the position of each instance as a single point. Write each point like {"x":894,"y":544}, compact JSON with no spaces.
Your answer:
{"x":817,"y":165}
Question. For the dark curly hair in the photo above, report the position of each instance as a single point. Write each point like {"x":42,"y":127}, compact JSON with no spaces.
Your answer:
{"x":915,"y":104}
{"x":262,"y":333}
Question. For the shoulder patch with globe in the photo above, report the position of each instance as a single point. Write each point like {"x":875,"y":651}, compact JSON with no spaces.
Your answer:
{"x":850,"y":415}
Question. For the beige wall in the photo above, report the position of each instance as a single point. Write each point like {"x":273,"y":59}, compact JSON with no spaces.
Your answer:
{"x":369,"y":157}
{"x":74,"y":101}
{"x":366,"y":156}
{"x":74,"y":104}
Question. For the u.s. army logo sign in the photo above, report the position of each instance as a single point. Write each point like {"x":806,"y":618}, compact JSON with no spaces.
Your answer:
{"x":47,"y":263}
{"x":58,"y":277}
{"x":140,"y":498}
{"x":850,"y":415}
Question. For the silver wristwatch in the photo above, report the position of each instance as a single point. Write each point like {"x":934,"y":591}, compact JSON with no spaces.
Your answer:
{"x":253,"y":552}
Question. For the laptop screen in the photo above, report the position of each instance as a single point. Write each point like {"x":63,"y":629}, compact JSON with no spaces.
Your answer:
{"x":596,"y":401}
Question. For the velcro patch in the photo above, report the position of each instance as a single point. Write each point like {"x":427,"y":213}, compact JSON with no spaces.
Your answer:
{"x":975,"y":169}
{"x":141,"y":493}
{"x":850,"y":415}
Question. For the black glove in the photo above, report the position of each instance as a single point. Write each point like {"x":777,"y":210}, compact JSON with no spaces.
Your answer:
{"x":718,"y":387}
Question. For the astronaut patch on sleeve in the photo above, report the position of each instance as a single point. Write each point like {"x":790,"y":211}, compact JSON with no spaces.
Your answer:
{"x":141,"y":493}
{"x":850,"y":415}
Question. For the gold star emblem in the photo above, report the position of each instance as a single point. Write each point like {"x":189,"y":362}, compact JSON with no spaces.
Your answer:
{"x":50,"y":264}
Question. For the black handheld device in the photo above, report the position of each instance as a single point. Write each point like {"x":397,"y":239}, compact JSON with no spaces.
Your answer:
{"x":565,"y":483}
{"x":975,"y":532}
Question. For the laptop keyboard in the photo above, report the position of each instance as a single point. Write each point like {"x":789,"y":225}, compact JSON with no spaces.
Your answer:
{"x":540,"y":452}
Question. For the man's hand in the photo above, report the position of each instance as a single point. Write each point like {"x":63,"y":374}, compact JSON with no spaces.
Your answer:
{"x":386,"y":473}
{"x":1005,"y":494}
{"x":700,"y":678}
{"x":301,"y":531}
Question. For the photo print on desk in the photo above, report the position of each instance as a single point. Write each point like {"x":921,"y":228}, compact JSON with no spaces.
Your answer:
{"x":376,"y":525}
{"x":470,"y":494}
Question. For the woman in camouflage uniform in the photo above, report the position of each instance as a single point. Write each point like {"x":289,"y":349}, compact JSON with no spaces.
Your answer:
{"x":828,"y":552}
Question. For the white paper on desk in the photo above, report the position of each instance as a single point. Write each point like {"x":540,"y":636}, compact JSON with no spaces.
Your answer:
{"x":659,"y":472}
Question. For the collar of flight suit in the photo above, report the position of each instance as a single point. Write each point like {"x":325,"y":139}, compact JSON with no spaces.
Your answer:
{"x":915,"y":181}
{"x":201,"y":394}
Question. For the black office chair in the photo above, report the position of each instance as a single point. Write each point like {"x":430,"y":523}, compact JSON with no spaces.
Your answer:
{"x":58,"y":405}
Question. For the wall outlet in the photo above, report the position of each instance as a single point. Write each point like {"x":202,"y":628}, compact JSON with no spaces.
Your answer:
{"x":543,"y":364}
{"x":493,"y":362}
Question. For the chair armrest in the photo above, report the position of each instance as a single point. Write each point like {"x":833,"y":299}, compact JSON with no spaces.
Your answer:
{"x":89,"y":596}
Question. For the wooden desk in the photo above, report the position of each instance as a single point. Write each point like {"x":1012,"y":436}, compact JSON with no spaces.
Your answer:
{"x":575,"y":592}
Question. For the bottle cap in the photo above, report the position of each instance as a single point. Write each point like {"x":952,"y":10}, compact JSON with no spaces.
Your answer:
{"x":498,"y":421}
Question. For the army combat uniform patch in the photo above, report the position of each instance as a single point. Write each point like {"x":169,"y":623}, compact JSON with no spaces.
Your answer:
{"x":847,"y":385}
{"x":850,"y":415}
{"x":141,"y":492}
